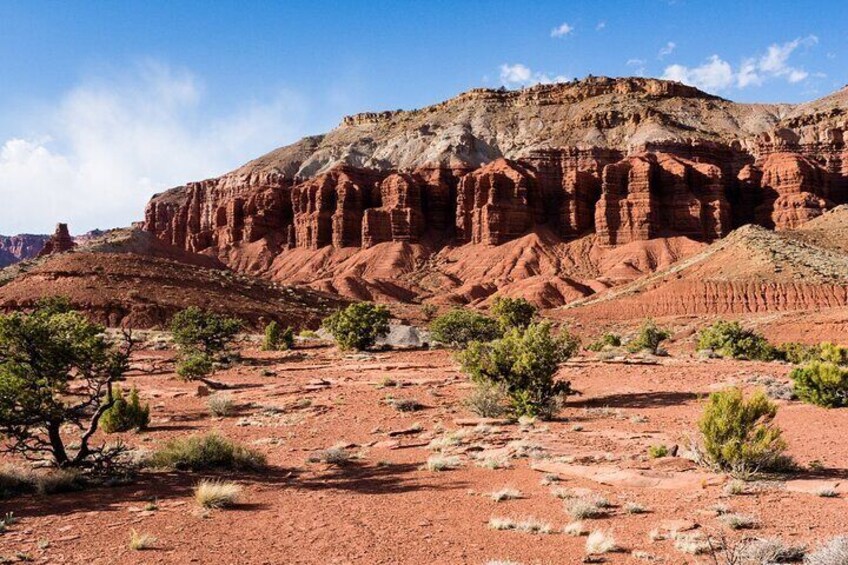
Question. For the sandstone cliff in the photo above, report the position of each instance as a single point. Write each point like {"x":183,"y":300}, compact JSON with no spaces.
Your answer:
{"x":14,"y":248}
{"x":373,"y":208}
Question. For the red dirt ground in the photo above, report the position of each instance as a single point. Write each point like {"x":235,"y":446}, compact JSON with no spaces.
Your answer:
{"x":385,"y":508}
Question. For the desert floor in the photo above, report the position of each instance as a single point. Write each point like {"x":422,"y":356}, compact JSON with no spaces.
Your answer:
{"x":385,"y":507}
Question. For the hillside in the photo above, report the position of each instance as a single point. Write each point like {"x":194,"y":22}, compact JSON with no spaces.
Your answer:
{"x":128,"y":278}
{"x":753,"y":270}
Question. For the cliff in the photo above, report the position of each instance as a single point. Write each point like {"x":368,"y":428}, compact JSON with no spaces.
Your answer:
{"x":14,"y":248}
{"x":620,"y":161}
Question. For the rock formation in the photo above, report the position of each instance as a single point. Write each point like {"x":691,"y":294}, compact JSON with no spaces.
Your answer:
{"x":627,"y":160}
{"x":14,"y":248}
{"x":60,"y":242}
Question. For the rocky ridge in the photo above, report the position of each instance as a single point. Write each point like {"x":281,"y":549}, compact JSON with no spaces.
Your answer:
{"x":619,"y":161}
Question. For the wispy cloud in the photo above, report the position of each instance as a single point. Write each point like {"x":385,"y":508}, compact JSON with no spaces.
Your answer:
{"x":667,"y":50}
{"x":638,"y":66}
{"x":562,"y":30}
{"x":521,"y":75}
{"x":716,"y":74}
{"x":601,"y":25}
{"x":112,"y":142}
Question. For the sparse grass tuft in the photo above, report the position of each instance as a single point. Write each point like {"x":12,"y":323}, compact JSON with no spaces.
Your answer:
{"x":442,"y":463}
{"x":141,"y":541}
{"x":600,"y":542}
{"x":693,"y":544}
{"x":405,"y":404}
{"x":204,"y":452}
{"x":833,"y":552}
{"x":575,"y":529}
{"x":337,"y":455}
{"x":736,"y":487}
{"x":506,"y":493}
{"x":585,"y":508}
{"x":216,"y":494}
{"x":532,"y":525}
{"x":501,"y":523}
{"x":220,"y":405}
{"x":738,"y":521}
{"x":635,"y":508}
{"x":769,"y":550}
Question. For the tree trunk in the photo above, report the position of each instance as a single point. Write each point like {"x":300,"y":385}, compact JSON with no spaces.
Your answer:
{"x":60,"y":456}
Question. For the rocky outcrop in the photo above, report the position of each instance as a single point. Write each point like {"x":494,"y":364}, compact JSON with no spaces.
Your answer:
{"x":627,"y":160}
{"x":400,"y":218}
{"x":494,"y":204}
{"x":14,"y":248}
{"x":60,"y":242}
{"x":656,"y":194}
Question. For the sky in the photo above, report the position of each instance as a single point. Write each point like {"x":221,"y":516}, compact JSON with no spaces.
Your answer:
{"x":103,"y":104}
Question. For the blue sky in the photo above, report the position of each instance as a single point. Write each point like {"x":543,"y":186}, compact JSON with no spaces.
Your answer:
{"x":104,"y":103}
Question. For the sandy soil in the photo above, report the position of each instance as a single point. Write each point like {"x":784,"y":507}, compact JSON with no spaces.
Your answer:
{"x":385,"y":508}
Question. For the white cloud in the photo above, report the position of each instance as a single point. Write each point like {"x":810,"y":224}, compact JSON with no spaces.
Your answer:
{"x":601,"y":25}
{"x":667,"y":50}
{"x":639,"y":65}
{"x":716,"y":74}
{"x":522,"y":75}
{"x":110,"y":144}
{"x":562,"y":30}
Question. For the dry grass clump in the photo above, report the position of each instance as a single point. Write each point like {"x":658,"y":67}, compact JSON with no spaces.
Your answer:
{"x":738,"y":521}
{"x":15,"y":480}
{"x":204,"y":452}
{"x":506,"y":493}
{"x":635,"y":508}
{"x":585,"y":508}
{"x":405,"y":404}
{"x":216,"y":494}
{"x":767,"y":550}
{"x":220,"y":405}
{"x":494,"y":463}
{"x":575,"y":529}
{"x":693,"y":544}
{"x":600,"y":542}
{"x":338,"y":455}
{"x":833,"y":552}
{"x":529,"y":525}
{"x":442,"y":463}
{"x":141,"y":541}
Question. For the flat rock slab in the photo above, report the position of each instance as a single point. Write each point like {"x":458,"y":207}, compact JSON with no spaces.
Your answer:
{"x":613,"y":476}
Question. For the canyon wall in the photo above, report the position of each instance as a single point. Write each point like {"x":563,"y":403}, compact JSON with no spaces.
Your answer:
{"x":14,"y":248}
{"x":626,"y":159}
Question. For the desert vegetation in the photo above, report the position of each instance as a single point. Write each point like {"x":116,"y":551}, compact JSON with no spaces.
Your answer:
{"x":461,"y":326}
{"x":358,"y":326}
{"x":202,"y":338}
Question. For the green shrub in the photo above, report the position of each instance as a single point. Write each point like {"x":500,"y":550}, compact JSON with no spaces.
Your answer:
{"x":205,"y":452}
{"x":797,"y":353}
{"x":525,"y":364}
{"x":198,"y":330}
{"x":201,"y":337}
{"x":831,"y":353}
{"x":459,"y":327}
{"x":125,"y":414}
{"x":358,"y":326}
{"x":194,"y":365}
{"x":821,"y":383}
{"x":657,"y":451}
{"x":730,"y":339}
{"x":606,"y":340}
{"x":278,"y":339}
{"x":513,"y":313}
{"x":57,"y":370}
{"x":649,"y":338}
{"x":739,"y":435}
